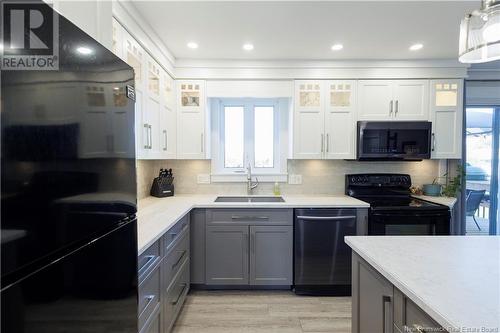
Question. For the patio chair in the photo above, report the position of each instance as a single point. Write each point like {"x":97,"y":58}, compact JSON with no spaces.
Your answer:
{"x":473,"y":201}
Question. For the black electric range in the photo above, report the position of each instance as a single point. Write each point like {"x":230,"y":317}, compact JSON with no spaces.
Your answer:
{"x":393,"y":211}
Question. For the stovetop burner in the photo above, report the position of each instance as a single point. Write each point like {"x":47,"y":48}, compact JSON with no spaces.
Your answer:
{"x":380,"y":202}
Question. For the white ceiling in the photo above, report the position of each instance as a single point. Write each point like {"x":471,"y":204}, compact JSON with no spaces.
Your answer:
{"x":305,"y":30}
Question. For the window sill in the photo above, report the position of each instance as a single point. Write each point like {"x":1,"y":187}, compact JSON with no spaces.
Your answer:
{"x":242,"y":178}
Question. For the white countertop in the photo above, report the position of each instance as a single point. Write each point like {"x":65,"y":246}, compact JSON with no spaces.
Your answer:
{"x":157,"y":215}
{"x":454,"y":279}
{"x":447,"y":201}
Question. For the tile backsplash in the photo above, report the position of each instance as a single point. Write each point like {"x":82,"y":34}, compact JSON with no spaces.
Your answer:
{"x":318,"y":176}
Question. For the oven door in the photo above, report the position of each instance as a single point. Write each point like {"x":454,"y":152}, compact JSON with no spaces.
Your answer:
{"x":394,"y":140}
{"x":409,"y":223}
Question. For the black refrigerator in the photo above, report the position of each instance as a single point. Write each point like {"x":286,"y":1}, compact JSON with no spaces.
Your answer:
{"x":68,"y":193}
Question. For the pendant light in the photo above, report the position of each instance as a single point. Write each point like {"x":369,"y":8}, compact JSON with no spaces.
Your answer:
{"x":480,"y":34}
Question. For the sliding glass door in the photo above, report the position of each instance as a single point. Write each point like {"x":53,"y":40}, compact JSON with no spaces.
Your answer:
{"x":482,"y":136}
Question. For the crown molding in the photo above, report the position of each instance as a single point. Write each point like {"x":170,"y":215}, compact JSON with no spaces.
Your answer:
{"x":319,"y":69}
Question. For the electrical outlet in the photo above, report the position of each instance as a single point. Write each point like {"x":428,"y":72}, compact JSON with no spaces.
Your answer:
{"x":294,"y":179}
{"x":204,"y":178}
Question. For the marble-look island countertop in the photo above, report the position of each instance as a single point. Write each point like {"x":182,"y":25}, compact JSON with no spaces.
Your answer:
{"x":454,"y":279}
{"x":157,"y":215}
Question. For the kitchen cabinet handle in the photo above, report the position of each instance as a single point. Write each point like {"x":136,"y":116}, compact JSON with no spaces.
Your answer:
{"x":327,"y":142}
{"x":433,"y":142}
{"x":149,"y":299}
{"x":326,"y":218}
{"x":166,"y":142}
{"x":202,"y":142}
{"x":146,"y":145}
{"x":150,"y":136}
{"x":397,"y":108}
{"x":249,"y":218}
{"x":322,"y":142}
{"x":386,"y":302}
{"x":180,"y":258}
{"x":184,"y":286}
{"x":390,"y":107}
{"x":148,"y":261}
{"x":112,"y":142}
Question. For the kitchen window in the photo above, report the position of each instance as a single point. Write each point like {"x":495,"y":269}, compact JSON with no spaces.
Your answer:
{"x":247,"y":132}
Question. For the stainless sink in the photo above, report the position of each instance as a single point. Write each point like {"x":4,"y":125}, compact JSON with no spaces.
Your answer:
{"x":267,"y":199}
{"x":249,"y":199}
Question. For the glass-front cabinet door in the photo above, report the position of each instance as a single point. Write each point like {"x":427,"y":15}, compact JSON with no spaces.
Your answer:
{"x":446,"y":116}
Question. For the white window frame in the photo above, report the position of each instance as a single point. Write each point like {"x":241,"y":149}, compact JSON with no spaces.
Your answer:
{"x":223,"y":174}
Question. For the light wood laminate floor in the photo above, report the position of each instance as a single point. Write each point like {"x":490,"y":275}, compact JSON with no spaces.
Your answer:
{"x":262,"y":312}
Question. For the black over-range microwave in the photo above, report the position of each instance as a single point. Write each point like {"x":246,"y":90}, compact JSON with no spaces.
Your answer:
{"x":394,"y":140}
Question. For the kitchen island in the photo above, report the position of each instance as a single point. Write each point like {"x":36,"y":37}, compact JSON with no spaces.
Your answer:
{"x":425,"y":283}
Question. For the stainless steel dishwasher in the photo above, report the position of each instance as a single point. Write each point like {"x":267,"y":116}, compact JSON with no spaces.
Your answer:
{"x":322,"y":264}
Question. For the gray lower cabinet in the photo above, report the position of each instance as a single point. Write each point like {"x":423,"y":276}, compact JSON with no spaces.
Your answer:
{"x":271,"y":255}
{"x":175,"y":296}
{"x":153,"y":324}
{"x":164,"y":279}
{"x":372,"y":297}
{"x":408,"y":317}
{"x":379,"y":307}
{"x":227,"y":255}
{"x":248,"y":247}
{"x":197,"y":235}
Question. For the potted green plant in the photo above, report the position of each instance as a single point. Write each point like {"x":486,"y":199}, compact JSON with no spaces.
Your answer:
{"x":451,"y":187}
{"x":454,"y":184}
{"x":433,"y":189}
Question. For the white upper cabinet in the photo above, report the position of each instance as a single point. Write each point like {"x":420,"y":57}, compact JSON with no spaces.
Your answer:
{"x":308,"y":129}
{"x":135,"y":56}
{"x":192,"y":140}
{"x":446,"y":104}
{"x":155,"y":107}
{"x":393,"y":100}
{"x":168,"y":117}
{"x":375,"y":100}
{"x":152,"y":109}
{"x":92,"y":16}
{"x":411,"y":100}
{"x":117,"y":39}
{"x":340,"y":120}
{"x":324,"y":119}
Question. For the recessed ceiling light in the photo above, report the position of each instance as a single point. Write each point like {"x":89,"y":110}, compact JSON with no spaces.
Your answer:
{"x":337,"y":47}
{"x":84,"y":50}
{"x":248,"y":47}
{"x":192,"y":45}
{"x":416,"y":47}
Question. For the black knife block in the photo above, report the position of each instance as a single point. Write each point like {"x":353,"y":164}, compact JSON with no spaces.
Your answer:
{"x":161,"y":188}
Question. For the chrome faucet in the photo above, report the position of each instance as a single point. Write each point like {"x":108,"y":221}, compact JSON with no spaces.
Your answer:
{"x":251,"y":185}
